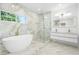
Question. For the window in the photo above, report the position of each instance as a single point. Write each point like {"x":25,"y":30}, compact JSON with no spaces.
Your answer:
{"x":23,"y":19}
{"x":7,"y":16}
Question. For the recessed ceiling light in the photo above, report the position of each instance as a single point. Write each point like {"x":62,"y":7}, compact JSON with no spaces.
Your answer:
{"x":13,"y":6}
{"x":39,"y":9}
{"x":60,"y":5}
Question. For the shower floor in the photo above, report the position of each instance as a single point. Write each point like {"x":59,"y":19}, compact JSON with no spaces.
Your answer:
{"x":48,"y":48}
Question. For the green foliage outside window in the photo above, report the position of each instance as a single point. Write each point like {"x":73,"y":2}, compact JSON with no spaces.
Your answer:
{"x":7,"y":16}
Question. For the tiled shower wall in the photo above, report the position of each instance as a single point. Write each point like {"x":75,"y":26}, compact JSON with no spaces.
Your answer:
{"x":44,"y":26}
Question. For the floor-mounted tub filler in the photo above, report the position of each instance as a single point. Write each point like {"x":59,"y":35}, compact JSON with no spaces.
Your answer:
{"x":17,"y":43}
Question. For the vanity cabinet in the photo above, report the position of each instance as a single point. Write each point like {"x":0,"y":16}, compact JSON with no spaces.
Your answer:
{"x":66,"y":38}
{"x":65,"y":31}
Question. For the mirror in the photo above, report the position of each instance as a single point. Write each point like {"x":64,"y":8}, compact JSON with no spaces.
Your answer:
{"x":65,"y":22}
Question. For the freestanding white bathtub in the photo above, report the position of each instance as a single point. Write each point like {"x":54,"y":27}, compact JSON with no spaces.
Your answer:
{"x":17,"y":43}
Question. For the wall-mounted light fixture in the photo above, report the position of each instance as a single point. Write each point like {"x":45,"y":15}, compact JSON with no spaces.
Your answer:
{"x":14,"y":7}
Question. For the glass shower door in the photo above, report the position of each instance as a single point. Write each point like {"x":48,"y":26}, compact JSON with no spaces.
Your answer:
{"x":44,"y":26}
{"x":47,"y":25}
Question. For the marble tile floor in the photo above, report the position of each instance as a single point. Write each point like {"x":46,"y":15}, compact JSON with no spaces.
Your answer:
{"x":48,"y":48}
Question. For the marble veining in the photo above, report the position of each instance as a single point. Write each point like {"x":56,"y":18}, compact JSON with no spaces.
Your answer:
{"x":48,"y":48}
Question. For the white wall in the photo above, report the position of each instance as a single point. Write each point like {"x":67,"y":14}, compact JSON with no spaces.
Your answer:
{"x":71,"y":8}
{"x":78,"y":18}
{"x":19,"y":10}
{"x":72,"y":25}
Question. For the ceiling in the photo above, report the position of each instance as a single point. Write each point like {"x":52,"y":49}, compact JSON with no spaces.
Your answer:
{"x":39,"y":7}
{"x":44,"y":7}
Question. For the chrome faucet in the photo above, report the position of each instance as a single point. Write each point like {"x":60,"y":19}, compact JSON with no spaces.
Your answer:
{"x":68,"y":30}
{"x":56,"y":30}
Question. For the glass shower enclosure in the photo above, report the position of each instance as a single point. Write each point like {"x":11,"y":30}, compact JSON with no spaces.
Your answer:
{"x":44,"y":26}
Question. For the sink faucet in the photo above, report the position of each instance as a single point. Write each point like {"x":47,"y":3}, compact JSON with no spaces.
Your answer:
{"x":68,"y":30}
{"x":56,"y":30}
